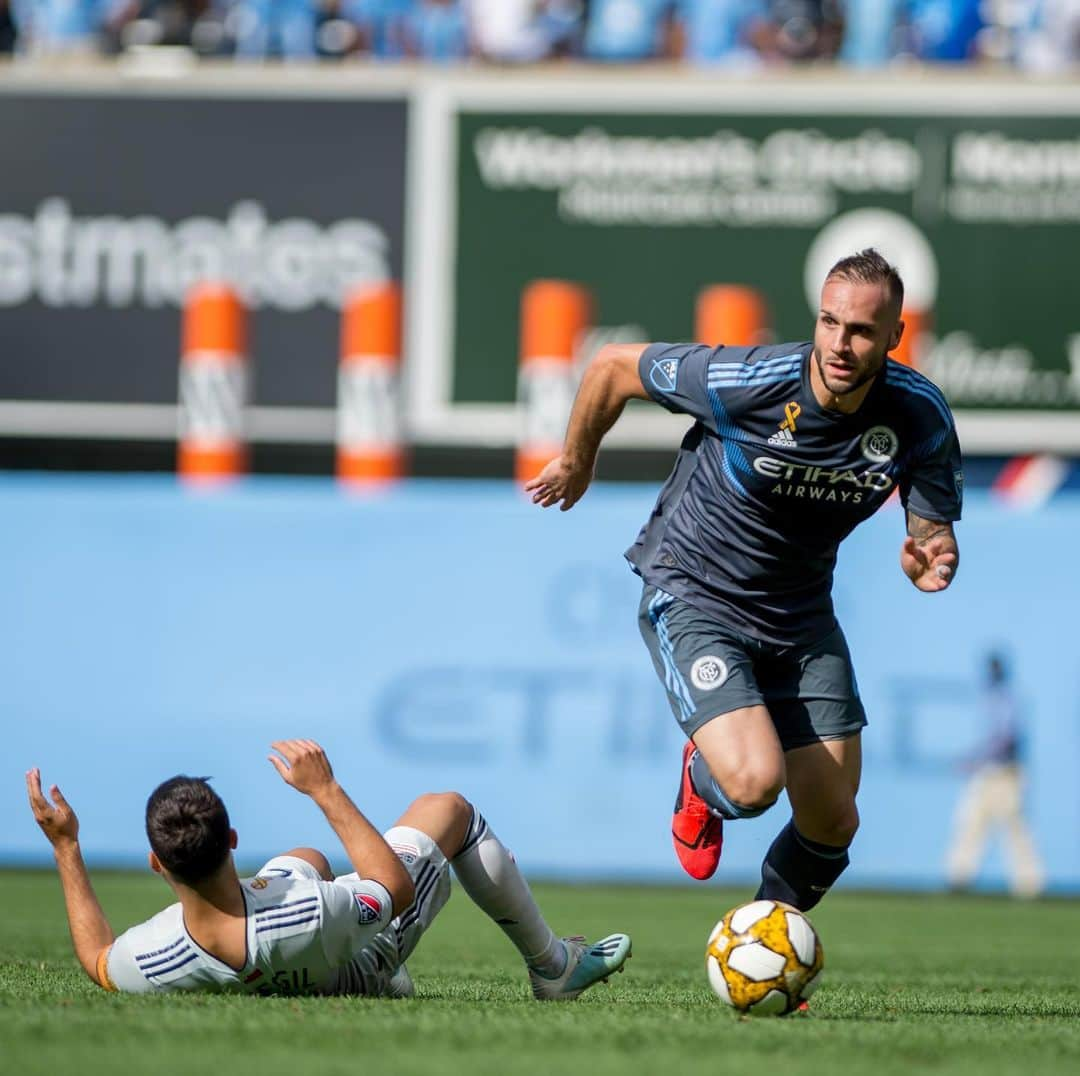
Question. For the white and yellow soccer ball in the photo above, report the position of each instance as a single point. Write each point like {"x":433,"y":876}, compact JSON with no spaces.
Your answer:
{"x":763,"y":958}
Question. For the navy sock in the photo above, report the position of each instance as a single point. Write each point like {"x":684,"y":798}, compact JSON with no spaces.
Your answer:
{"x":799,"y":871}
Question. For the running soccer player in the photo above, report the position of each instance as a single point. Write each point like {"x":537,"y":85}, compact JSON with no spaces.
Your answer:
{"x":793,"y":446}
{"x":293,"y":928}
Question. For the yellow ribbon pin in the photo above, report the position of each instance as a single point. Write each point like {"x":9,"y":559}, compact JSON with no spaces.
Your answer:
{"x":792,"y":411}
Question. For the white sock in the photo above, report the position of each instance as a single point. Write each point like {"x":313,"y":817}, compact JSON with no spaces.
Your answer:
{"x":488,"y":873}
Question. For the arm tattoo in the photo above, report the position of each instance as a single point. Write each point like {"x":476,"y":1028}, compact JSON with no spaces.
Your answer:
{"x":923,"y":530}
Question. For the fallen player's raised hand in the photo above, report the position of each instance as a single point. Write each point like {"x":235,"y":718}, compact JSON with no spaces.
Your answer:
{"x":308,"y":769}
{"x":59,"y":823}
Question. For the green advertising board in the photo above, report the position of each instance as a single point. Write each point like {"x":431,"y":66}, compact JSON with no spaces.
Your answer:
{"x":648,"y":197}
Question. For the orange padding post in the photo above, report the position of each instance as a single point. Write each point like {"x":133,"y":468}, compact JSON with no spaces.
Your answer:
{"x":917,"y":324}
{"x":213,"y":385}
{"x":730,"y":314}
{"x":369,"y":428}
{"x":554,"y":315}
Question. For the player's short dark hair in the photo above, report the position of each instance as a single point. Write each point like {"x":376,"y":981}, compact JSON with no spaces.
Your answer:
{"x":188,"y":828}
{"x":869,"y":267}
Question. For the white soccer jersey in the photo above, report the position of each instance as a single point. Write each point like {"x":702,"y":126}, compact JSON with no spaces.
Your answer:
{"x":302,"y":934}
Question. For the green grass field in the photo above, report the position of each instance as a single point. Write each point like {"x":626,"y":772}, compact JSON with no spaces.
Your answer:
{"x":912,"y":983}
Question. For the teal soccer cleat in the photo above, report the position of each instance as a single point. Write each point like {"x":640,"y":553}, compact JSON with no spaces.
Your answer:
{"x":585,"y":966}
{"x":400,"y":984}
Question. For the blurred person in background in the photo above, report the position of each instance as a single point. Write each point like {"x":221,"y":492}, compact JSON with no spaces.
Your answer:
{"x":522,"y":31}
{"x":630,"y":31}
{"x":379,"y":24}
{"x":722,"y":33}
{"x":801,"y":31}
{"x":942,"y":31}
{"x":1049,"y":38}
{"x":69,"y":27}
{"x":435,"y":30}
{"x":993,"y":801}
{"x":871,"y":32}
{"x":197,"y":24}
{"x":877,"y":32}
{"x":265,"y":28}
{"x":7,"y":28}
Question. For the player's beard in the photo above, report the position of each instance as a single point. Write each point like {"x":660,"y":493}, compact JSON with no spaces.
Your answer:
{"x":868,"y":372}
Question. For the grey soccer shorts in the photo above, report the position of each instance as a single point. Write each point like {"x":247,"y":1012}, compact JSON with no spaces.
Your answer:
{"x":370,"y":971}
{"x":708,"y":670}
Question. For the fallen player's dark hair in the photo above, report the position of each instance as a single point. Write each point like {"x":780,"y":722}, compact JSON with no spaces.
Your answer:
{"x":188,"y":828}
{"x":869,"y":267}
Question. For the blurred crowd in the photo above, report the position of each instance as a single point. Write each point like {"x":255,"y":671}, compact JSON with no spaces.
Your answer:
{"x":1035,"y":35}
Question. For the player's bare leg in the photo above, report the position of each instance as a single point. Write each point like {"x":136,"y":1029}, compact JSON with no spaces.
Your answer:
{"x":734,"y":768}
{"x":443,"y":816}
{"x":315,"y":858}
{"x":823,"y":780}
{"x":744,"y":757}
{"x":810,"y":852}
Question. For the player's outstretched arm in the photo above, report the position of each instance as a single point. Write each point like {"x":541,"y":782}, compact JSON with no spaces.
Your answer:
{"x":91,"y":934}
{"x":929,"y":555}
{"x":610,"y":380}
{"x":308,"y":770}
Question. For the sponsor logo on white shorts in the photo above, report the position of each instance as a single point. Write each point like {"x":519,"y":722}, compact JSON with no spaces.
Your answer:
{"x":708,"y":672}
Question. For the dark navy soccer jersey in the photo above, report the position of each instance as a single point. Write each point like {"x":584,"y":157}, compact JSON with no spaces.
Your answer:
{"x":768,"y":482}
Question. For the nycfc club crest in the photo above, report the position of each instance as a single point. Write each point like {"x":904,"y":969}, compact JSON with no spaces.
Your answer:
{"x":879,"y":444}
{"x":708,"y":672}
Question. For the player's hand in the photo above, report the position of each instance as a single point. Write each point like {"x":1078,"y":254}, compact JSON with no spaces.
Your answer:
{"x":306,"y":766}
{"x":58,"y":822}
{"x":559,"y":481}
{"x":930,"y":565}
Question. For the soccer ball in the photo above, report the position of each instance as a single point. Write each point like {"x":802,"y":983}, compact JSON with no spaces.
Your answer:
{"x":763,"y":958}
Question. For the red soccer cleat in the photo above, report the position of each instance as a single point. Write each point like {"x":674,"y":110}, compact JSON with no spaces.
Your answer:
{"x":697,"y":833}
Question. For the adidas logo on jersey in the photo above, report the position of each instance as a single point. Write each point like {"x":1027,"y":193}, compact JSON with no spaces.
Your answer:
{"x":783,"y":439}
{"x":785,"y":436}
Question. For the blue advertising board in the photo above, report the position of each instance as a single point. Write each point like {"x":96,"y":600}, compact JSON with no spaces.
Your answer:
{"x":450,"y":635}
